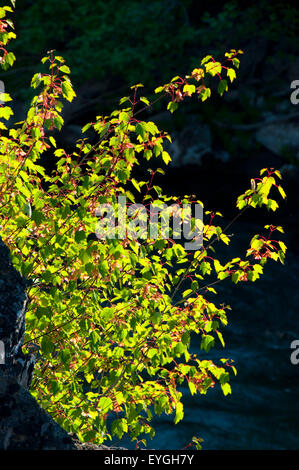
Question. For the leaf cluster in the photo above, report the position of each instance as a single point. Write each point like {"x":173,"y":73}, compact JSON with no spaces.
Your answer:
{"x":111,"y":319}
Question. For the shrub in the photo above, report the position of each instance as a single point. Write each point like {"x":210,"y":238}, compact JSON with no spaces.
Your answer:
{"x":101,"y":38}
{"x":133,"y":38}
{"x":110,"y":319}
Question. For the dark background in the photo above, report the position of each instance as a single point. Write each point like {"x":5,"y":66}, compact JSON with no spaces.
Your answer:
{"x":218,"y":146}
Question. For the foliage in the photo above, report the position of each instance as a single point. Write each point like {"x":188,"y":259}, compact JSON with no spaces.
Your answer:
{"x":274,"y":21}
{"x":131,"y":39}
{"x":126,"y":39}
{"x":111,"y":319}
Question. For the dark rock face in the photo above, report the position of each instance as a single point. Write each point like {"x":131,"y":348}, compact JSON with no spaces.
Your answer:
{"x":13,"y":301}
{"x":23,"y":424}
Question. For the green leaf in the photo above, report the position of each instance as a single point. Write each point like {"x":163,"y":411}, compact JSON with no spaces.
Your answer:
{"x":236,"y":62}
{"x":5,"y":97}
{"x":36,"y":80}
{"x":219,"y":334}
{"x":217,"y":266}
{"x":141,"y":130}
{"x":223,"y":275}
{"x":271,"y":204}
{"x":152,"y":128}
{"x":213,"y":68}
{"x":179,"y":412}
{"x":166,"y":157}
{"x":185,"y":338}
{"x":138,"y":85}
{"x":80,"y":235}
{"x":105,"y":404}
{"x":282,"y":246}
{"x":189,"y":89}
{"x":179,"y":349}
{"x":64,"y":69}
{"x":65,"y":356}
{"x":187,"y":292}
{"x":207,"y":342}
{"x":144,"y":100}
{"x":282,"y":193}
{"x":159,"y":89}
{"x":119,"y":427}
{"x":124,"y":99}
{"x":236,"y":276}
{"x":47,"y":346}
{"x":206,"y":59}
{"x":204,"y":94}
{"x":67,"y":90}
{"x":124,"y":117}
{"x":172,"y":106}
{"x":135,"y":184}
{"x":192,"y":388}
{"x":205,"y":267}
{"x":59,"y":152}
{"x":53,"y":141}
{"x":226,"y":389}
{"x":222,"y":87}
{"x":5,"y":112}
{"x":231,"y":74}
